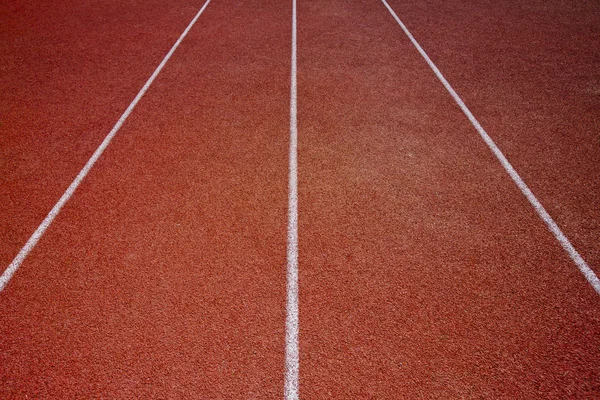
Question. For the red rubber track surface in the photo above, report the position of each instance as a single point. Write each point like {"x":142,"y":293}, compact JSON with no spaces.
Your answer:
{"x":529,"y":72}
{"x":68,"y":70}
{"x":164,"y":276}
{"x":423,"y":270}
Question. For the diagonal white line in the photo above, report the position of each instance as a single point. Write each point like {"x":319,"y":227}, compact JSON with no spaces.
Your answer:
{"x":18,"y":260}
{"x":541,"y":211}
{"x":291,"y":385}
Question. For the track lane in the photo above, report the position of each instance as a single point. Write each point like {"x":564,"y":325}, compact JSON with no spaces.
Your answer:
{"x":527,"y":71}
{"x":424,"y":272}
{"x":164,"y":276}
{"x":68,"y":71}
{"x":66,"y":196}
{"x":514,"y":175}
{"x":465,"y":272}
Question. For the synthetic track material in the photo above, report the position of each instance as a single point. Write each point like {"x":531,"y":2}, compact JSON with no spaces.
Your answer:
{"x":164,"y":275}
{"x":527,"y":73}
{"x":30,"y":244}
{"x":423,"y":271}
{"x":539,"y":208}
{"x":67,"y":75}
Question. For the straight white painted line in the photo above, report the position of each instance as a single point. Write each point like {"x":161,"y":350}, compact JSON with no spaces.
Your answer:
{"x":18,"y":260}
{"x":552,"y":226}
{"x":292,"y":357}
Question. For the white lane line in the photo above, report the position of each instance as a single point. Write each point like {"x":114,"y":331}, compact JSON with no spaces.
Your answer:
{"x":18,"y":260}
{"x":292,"y":358}
{"x":552,"y":226}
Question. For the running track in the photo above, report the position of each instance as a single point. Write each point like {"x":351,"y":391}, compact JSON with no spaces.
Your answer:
{"x":423,"y":270}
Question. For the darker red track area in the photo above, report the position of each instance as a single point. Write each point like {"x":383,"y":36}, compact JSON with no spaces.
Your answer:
{"x":164,"y":276}
{"x":424,"y":273}
{"x":68,"y":72}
